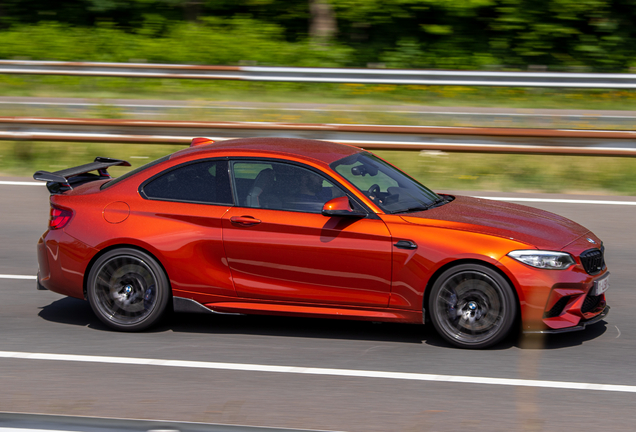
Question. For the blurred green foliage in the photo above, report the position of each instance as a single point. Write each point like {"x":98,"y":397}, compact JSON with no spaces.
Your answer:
{"x":468,"y":34}
{"x":212,"y":41}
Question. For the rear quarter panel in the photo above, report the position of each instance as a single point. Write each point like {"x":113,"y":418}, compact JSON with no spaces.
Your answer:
{"x":185,"y":238}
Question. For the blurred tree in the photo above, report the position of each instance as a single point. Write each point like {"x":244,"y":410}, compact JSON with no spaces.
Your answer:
{"x":593,"y":34}
{"x":597,"y":34}
{"x":323,"y":21}
{"x":411,"y":32}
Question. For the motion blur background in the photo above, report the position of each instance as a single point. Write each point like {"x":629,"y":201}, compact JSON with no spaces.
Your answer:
{"x":505,"y":35}
{"x":597,"y":36}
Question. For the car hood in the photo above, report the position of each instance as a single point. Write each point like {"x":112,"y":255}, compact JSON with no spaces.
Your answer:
{"x":535,"y":227}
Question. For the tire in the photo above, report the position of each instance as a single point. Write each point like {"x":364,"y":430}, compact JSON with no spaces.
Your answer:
{"x":128,"y":290}
{"x":472,"y":306}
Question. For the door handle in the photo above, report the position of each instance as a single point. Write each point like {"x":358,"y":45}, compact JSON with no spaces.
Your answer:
{"x":244,"y":220}
{"x":406,"y":244}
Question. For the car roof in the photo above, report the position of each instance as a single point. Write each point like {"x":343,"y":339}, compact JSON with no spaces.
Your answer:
{"x":322,"y":151}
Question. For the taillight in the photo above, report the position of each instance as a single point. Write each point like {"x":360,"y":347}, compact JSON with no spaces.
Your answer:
{"x":59,"y":217}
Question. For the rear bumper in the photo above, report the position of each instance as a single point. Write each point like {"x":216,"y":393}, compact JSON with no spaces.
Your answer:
{"x":39,"y":286}
{"x":62,"y":261}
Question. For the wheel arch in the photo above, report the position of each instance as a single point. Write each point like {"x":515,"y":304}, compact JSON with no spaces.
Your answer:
{"x":442,"y":269}
{"x":123,"y":246}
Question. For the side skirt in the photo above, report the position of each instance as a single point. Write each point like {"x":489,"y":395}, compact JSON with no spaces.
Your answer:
{"x":182,"y":304}
{"x":186,"y":305}
{"x":332,"y":312}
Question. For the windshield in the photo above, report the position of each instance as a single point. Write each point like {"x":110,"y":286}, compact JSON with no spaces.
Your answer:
{"x":392,"y":190}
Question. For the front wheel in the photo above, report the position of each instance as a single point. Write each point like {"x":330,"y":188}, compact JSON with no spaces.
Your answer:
{"x":128,"y":290}
{"x":472,"y":306}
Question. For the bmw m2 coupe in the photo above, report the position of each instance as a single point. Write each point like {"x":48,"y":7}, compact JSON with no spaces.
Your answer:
{"x":316,"y":229}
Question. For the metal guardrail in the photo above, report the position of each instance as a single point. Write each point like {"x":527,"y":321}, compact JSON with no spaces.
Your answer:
{"x":324,"y":75}
{"x":450,"y":139}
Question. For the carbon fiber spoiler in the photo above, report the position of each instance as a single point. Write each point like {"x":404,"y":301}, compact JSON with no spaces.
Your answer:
{"x":64,"y":180}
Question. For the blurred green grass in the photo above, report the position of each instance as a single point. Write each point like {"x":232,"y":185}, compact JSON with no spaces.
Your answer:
{"x":437,"y":170}
{"x":352,"y":94}
{"x":342,"y":114}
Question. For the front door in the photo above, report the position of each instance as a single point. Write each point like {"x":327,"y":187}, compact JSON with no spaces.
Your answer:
{"x":280,"y":247}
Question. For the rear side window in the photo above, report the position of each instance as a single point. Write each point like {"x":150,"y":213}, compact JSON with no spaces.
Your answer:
{"x":204,"y":182}
{"x":114,"y":181}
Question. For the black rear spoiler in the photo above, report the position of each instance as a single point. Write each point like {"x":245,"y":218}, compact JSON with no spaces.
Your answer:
{"x":64,"y":180}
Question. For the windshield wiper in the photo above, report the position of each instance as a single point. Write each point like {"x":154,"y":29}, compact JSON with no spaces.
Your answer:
{"x":411,"y":209}
{"x":439,"y":201}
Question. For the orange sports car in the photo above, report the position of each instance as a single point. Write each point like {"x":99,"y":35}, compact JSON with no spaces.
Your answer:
{"x":310,"y":228}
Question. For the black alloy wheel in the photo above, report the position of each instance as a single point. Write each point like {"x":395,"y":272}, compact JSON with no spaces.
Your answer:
{"x":128,"y":290}
{"x":472,"y":306}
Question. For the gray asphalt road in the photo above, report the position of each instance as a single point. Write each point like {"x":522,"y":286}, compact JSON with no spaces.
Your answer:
{"x":44,"y":322}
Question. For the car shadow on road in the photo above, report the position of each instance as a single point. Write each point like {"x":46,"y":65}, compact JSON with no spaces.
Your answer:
{"x":263,"y":325}
{"x":71,"y":311}
{"x":562,"y":340}
{"x":78,"y":312}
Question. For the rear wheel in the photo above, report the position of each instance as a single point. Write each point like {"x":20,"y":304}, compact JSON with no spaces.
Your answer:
{"x":128,"y":290}
{"x":472,"y":306}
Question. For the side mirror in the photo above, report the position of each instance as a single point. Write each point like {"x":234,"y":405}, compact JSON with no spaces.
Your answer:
{"x":340,"y":207}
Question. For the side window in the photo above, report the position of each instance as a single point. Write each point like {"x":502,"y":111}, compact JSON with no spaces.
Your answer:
{"x":281,"y":186}
{"x":201,"y":182}
{"x":124,"y":176}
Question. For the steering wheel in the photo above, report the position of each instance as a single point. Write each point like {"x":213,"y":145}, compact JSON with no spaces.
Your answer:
{"x":373,"y":192}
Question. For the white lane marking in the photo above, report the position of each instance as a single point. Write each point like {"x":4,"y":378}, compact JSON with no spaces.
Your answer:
{"x":562,"y":201}
{"x":414,"y":144}
{"x":619,"y":332}
{"x":320,"y":371}
{"x":163,"y":430}
{"x":19,"y":429}
{"x":22,"y":183}
{"x":6,"y":429}
{"x":4,"y":276}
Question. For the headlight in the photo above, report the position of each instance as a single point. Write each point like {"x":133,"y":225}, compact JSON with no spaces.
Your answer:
{"x":544,"y":259}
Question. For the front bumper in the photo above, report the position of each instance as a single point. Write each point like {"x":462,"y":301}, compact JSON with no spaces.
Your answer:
{"x":581,"y":325}
{"x":555,"y":301}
